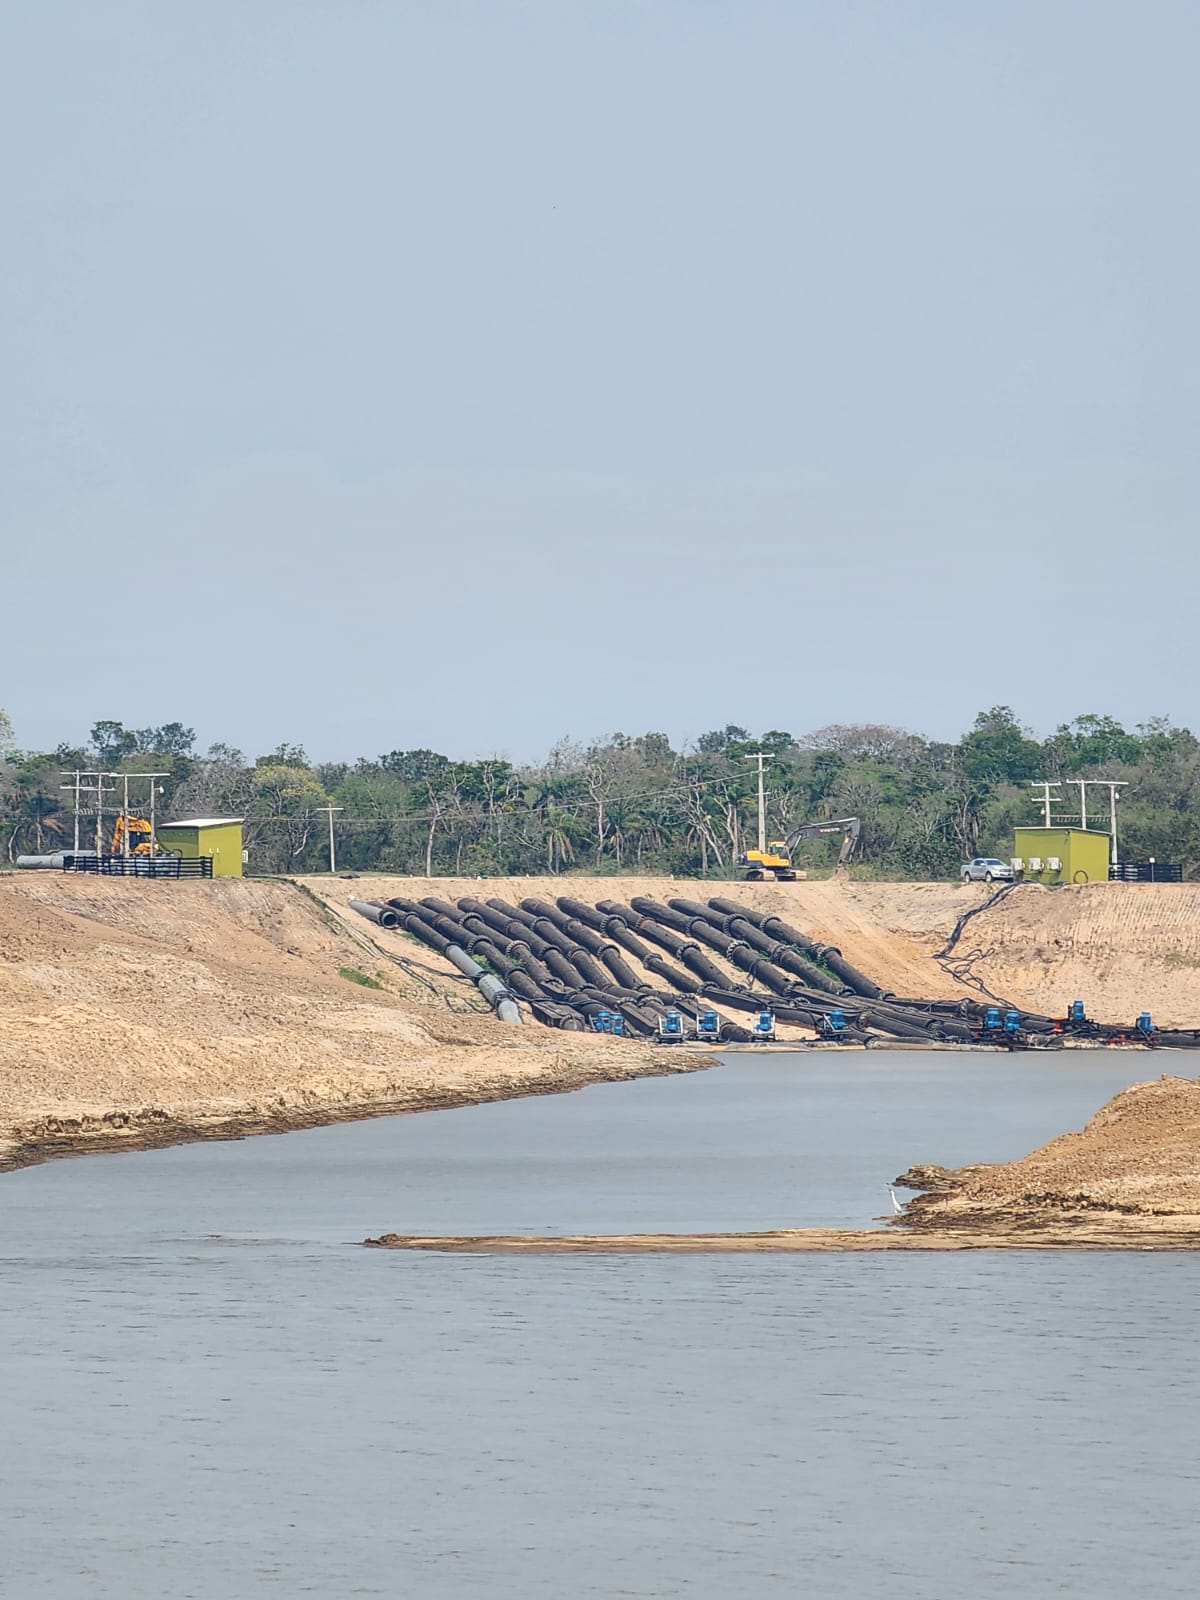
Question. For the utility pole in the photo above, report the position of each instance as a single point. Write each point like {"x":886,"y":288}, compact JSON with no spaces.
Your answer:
{"x":1045,"y":798}
{"x":1113,"y":797}
{"x":75,"y":787}
{"x":761,"y":757}
{"x":331,"y":810}
{"x":1081,"y":784}
{"x":100,"y":777}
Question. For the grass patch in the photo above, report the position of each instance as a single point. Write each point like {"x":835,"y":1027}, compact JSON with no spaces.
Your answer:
{"x":353,"y":975}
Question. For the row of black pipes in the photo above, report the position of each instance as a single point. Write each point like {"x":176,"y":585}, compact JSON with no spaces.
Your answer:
{"x":567,"y":961}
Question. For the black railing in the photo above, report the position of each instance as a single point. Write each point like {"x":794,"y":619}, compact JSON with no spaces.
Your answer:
{"x":1146,"y":872}
{"x":140,"y":866}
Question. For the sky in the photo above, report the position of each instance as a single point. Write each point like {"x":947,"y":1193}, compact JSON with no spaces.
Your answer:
{"x":379,"y":374}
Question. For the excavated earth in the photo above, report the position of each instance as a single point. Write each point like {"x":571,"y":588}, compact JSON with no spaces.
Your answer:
{"x":1123,"y":948}
{"x":138,"y":1013}
{"x":1133,"y":1170}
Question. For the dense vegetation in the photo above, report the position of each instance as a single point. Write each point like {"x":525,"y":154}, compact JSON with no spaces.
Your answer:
{"x":635,"y":804}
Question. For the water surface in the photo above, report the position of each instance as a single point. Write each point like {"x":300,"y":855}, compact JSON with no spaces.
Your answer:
{"x":210,"y":1393}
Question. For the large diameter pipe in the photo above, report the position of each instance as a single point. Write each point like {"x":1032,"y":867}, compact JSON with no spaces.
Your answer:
{"x":680,"y":982}
{"x":738,"y":952}
{"x":579,"y":934}
{"x":682,"y":949}
{"x":375,"y":911}
{"x":563,"y":969}
{"x":413,"y":922}
{"x":441,"y":908}
{"x":828,"y":955}
{"x":618,"y":966}
{"x":645,"y":907}
{"x":490,"y":987}
{"x":498,"y":997}
{"x":783,"y":955}
{"x":485,"y":913}
{"x":580,"y":909}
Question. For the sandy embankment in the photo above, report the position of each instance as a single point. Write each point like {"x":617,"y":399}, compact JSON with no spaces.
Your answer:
{"x":1123,"y":948}
{"x":1129,"y":1180}
{"x":136,"y":1014}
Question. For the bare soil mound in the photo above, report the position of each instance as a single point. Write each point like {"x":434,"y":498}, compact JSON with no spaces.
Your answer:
{"x":1137,"y":1160}
{"x":136,"y":1012}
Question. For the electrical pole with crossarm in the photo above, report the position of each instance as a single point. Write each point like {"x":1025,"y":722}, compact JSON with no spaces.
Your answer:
{"x":331,"y":810}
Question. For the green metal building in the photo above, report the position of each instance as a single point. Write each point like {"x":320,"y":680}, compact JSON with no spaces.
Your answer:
{"x":1061,"y":855}
{"x":218,"y":837}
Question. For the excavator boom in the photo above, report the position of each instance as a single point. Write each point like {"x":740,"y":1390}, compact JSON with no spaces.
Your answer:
{"x":139,"y":833}
{"x":778,"y":860}
{"x":851,"y":827}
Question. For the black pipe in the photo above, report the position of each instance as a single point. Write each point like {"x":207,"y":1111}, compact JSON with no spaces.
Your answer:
{"x":537,"y":969}
{"x":783,"y":955}
{"x":617,"y":929}
{"x":680,"y":982}
{"x":485,"y":913}
{"x":562,"y":969}
{"x":412,"y":922}
{"x":591,"y":941}
{"x":738,"y":952}
{"x":512,"y":927}
{"x":582,"y":911}
{"x":618,"y":966}
{"x":682,"y":949}
{"x":579,"y":932}
{"x":441,"y":908}
{"x":588,"y":968}
{"x":828,"y":955}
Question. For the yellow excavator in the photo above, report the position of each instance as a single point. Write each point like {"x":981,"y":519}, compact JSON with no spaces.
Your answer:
{"x":776,"y":861}
{"x":137,"y":830}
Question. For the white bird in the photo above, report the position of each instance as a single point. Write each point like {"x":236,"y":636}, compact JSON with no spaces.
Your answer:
{"x":896,"y":1206}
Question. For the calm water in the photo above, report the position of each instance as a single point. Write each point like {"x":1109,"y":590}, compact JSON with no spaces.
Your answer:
{"x":207,"y":1393}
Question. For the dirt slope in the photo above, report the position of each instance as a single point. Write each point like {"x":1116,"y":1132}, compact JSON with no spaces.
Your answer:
{"x":1138,"y":1159}
{"x":153,"y":1011}
{"x":888,"y":929}
{"x":142,"y":1011}
{"x":1121,"y":947}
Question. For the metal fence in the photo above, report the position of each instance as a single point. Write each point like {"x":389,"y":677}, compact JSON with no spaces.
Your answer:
{"x":140,"y":866}
{"x":1146,"y":872}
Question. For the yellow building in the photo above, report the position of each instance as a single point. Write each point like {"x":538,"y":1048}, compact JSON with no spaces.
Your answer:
{"x":218,"y":837}
{"x":1061,"y":855}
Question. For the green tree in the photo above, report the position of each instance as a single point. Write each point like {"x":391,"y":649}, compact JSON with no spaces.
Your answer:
{"x":112,"y":742}
{"x":999,"y":750}
{"x":1091,"y":741}
{"x":284,"y":801}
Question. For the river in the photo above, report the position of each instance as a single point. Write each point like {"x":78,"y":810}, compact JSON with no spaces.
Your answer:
{"x":210,"y":1392}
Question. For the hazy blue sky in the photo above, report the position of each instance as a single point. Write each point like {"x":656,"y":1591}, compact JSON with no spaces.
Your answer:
{"x":435,"y":373}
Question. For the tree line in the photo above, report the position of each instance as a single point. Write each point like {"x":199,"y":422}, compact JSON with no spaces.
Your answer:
{"x":634,"y":803}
